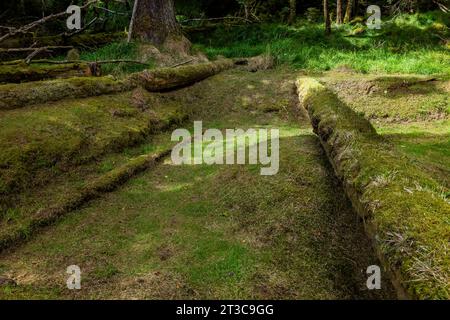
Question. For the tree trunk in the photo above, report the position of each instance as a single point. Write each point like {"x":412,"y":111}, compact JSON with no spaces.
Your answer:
{"x":339,"y":12}
{"x":293,"y":11}
{"x":153,"y":21}
{"x":326,"y":16}
{"x":348,"y":11}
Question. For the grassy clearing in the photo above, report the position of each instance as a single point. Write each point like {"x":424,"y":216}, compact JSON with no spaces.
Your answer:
{"x":212,"y":231}
{"x":408,"y":44}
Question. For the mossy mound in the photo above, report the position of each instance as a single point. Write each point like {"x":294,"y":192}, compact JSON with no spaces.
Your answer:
{"x":22,"y":72}
{"x":46,"y":140}
{"x":14,"y":96}
{"x":405,"y":212}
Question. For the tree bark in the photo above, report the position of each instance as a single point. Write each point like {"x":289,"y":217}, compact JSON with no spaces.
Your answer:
{"x":326,"y":16}
{"x":292,"y":11}
{"x":348,"y":11}
{"x":339,"y":12}
{"x":154,"y":21}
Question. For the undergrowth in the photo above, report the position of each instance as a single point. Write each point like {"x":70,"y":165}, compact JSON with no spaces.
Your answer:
{"x":406,"y":44}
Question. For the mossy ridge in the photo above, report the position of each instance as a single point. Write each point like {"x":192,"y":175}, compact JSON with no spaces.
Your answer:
{"x":14,"y":96}
{"x":11,"y":235}
{"x":40,"y":142}
{"x":404,"y":210}
{"x":23,"y":72}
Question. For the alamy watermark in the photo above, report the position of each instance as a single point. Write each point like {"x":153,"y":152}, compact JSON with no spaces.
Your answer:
{"x":74,"y":280}
{"x":374,"y":21}
{"x":374,"y":279}
{"x":214,"y":147}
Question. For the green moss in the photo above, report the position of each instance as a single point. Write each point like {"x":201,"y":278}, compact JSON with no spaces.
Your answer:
{"x":48,"y":138}
{"x":14,"y":96}
{"x":34,"y":72}
{"x":215,"y":232}
{"x":406,"y":213}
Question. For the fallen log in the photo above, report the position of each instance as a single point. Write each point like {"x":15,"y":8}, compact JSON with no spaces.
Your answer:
{"x":14,"y":96}
{"x":404,"y":211}
{"x":21,"y":72}
{"x":103,"y":184}
{"x":171,"y":78}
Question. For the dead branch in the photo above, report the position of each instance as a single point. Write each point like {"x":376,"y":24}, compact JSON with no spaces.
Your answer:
{"x":15,"y":50}
{"x":181,"y":63}
{"x":441,"y":6}
{"x":46,"y":61}
{"x":111,"y":11}
{"x":36,"y":23}
{"x":35,"y":53}
{"x":68,"y":35}
{"x":217,"y":19}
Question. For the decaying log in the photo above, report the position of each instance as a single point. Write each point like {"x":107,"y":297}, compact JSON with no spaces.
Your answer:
{"x":170,"y":78}
{"x":21,"y":72}
{"x":403,"y":210}
{"x":14,"y":96}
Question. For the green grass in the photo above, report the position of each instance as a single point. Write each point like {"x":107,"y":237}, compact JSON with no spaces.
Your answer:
{"x":117,"y":51}
{"x":213,"y":231}
{"x":408,"y":44}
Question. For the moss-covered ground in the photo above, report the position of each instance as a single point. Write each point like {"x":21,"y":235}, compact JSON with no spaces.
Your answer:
{"x":201,"y":231}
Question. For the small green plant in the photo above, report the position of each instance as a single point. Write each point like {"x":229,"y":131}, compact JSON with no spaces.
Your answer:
{"x":117,"y":51}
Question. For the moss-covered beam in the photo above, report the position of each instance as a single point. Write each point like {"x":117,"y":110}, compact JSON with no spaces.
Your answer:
{"x":22,"y":72}
{"x":406,"y":213}
{"x":14,"y":96}
{"x":170,"y":78}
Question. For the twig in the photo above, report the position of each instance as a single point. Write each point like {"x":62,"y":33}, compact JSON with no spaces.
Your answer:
{"x":41,"y":21}
{"x":75,"y":61}
{"x":35,"y":53}
{"x":13,"y":50}
{"x":181,"y":63}
{"x":68,"y":35}
{"x":112,"y":11}
{"x":442,"y":6}
{"x":215,"y":19}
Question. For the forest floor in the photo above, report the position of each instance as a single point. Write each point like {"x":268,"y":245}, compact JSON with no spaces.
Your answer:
{"x":202,"y":231}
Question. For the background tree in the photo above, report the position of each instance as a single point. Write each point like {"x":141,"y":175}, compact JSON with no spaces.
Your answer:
{"x":326,"y":16}
{"x":339,"y":12}
{"x":154,"y":21}
{"x":348,"y":11}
